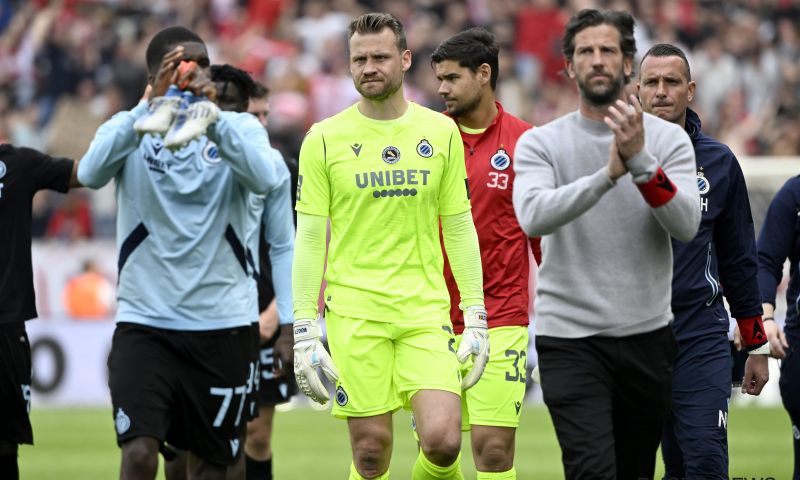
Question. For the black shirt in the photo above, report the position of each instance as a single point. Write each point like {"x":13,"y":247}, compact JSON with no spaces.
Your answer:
{"x":23,"y":172}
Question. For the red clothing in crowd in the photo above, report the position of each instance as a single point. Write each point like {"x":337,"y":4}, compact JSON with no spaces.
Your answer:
{"x":539,"y":32}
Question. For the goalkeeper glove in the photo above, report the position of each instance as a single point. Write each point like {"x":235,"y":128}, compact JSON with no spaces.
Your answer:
{"x":308,"y":355}
{"x":160,"y":113}
{"x":191,"y":123}
{"x":475,"y":343}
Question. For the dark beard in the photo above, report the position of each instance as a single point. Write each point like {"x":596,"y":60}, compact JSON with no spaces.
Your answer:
{"x":461,"y":110}
{"x":602,"y":98}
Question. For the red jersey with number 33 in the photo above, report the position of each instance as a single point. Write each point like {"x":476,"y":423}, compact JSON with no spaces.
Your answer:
{"x":489,"y":157}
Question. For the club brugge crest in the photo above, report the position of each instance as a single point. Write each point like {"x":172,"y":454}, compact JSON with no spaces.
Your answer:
{"x":341,"y":396}
{"x":122,"y":421}
{"x":3,"y":169}
{"x":500,"y":160}
{"x":211,"y":153}
{"x":703,"y":186}
{"x":424,"y":148}
{"x":391,"y":155}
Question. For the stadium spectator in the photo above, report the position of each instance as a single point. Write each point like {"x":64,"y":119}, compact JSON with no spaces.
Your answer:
{"x":89,"y":295}
{"x":603,"y":338}
{"x":540,"y":24}
{"x":71,"y":220}
{"x":695,"y":439}
{"x":276,"y":384}
{"x":23,"y":172}
{"x":466,"y":66}
{"x":386,"y":302}
{"x":777,"y":242}
{"x":183,"y":341}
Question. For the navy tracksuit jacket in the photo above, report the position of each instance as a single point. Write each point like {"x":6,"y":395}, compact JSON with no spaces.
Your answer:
{"x":721,"y":259}
{"x":722,"y":256}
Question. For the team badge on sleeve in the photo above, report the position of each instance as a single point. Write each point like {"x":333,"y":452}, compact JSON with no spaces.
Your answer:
{"x":500,"y":160}
{"x":2,"y":169}
{"x":424,"y":149}
{"x":703,"y":186}
{"x":391,"y":155}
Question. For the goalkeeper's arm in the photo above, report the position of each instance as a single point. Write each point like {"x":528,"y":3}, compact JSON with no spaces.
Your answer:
{"x":463,"y":251}
{"x":308,"y":263}
{"x":309,"y":353}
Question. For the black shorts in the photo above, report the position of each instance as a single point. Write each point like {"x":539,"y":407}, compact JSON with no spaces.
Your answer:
{"x":15,"y":384}
{"x":251,"y":410}
{"x":274,"y":390}
{"x":186,"y":388}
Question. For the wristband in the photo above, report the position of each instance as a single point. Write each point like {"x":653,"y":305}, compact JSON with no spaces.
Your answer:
{"x":768,"y":319}
{"x":658,"y":190}
{"x":752,"y":331}
{"x":306,"y":328}
{"x":762,"y":350}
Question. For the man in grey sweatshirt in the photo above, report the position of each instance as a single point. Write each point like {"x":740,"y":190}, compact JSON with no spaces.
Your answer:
{"x":606,"y":187}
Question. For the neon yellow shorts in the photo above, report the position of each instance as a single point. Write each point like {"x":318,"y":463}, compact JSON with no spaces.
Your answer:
{"x":383,"y":364}
{"x":496,"y":400}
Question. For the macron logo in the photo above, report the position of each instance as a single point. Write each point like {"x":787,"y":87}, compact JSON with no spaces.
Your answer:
{"x":234,"y":446}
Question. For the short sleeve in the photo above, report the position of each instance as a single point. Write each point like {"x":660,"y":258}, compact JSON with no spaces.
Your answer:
{"x":46,"y":172}
{"x":313,"y":185}
{"x":454,"y":191}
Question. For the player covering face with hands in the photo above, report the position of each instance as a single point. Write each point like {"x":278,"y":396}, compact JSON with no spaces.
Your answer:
{"x":179,"y":366}
{"x":181,"y":98}
{"x":386,"y":172}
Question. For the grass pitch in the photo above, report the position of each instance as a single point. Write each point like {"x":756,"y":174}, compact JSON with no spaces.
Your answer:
{"x":310,"y":444}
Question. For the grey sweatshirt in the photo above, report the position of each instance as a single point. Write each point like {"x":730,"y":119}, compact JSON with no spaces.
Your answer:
{"x":606,"y":254}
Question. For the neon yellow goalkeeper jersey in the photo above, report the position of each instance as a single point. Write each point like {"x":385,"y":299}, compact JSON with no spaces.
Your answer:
{"x":384,"y":185}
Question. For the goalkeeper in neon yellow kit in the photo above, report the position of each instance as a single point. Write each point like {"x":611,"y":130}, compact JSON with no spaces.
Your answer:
{"x":386,"y":171}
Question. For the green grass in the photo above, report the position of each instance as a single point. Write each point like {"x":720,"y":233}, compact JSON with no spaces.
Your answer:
{"x":79,"y":443}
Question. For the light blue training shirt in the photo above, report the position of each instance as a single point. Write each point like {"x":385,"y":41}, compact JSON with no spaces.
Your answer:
{"x":182,"y":219}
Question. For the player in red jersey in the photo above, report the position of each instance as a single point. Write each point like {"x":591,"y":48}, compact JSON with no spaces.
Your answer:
{"x":466,"y":66}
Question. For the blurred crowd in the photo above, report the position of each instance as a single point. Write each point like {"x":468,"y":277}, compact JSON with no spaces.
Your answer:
{"x":67,"y":65}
